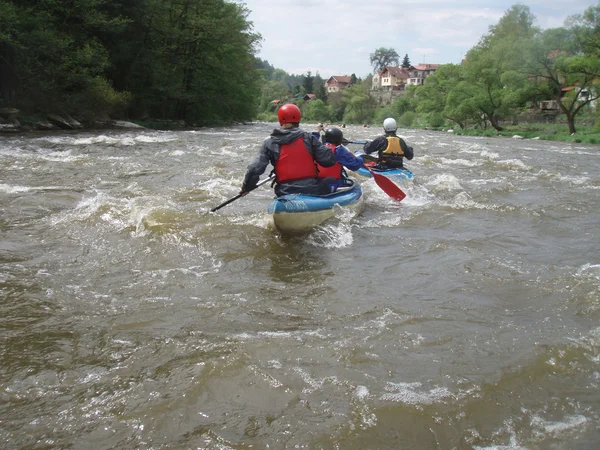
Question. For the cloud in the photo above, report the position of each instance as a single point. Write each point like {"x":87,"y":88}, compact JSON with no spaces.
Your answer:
{"x":336,"y":37}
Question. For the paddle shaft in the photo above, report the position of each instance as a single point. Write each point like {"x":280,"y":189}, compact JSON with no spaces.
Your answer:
{"x":232,"y":199}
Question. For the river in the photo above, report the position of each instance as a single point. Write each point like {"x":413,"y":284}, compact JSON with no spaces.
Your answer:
{"x":464,"y":317}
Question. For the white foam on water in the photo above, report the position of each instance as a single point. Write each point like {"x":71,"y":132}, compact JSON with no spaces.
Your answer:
{"x":444,"y":162}
{"x":258,"y":219}
{"x":333,"y":235}
{"x":126,"y":140}
{"x":462,"y":201}
{"x":361,"y":393}
{"x":409,"y":394}
{"x":445,"y":182}
{"x":513,"y":164}
{"x":589,"y":270}
{"x":573,"y":179}
{"x":483,"y":182}
{"x":570,"y":424}
{"x":8,"y":189}
{"x":512,"y":445}
{"x":484,"y":153}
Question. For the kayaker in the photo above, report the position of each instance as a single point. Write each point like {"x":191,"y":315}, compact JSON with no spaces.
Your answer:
{"x":294,"y":154}
{"x":334,"y":138}
{"x":391,"y":149}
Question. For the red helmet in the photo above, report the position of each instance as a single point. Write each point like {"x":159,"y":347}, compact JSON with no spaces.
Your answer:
{"x":289,"y":113}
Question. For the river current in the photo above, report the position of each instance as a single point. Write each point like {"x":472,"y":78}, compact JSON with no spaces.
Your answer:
{"x":464,"y":317}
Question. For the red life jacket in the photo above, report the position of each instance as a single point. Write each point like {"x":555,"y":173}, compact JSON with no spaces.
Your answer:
{"x":295,"y":162}
{"x":334,"y":171}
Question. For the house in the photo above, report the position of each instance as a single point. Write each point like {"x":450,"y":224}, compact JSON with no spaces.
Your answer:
{"x":418,"y":73}
{"x":309,"y":97}
{"x":390,"y":78}
{"x":337,"y":83}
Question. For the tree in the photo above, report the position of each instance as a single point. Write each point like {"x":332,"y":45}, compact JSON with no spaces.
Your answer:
{"x":319,"y":87}
{"x":492,"y":86}
{"x":556,"y":64}
{"x":406,"y":62}
{"x":586,"y":30}
{"x":316,"y":110}
{"x":383,"y":57}
{"x":440,"y":94}
{"x":272,"y":90}
{"x":360,"y":106}
{"x":307,"y":82}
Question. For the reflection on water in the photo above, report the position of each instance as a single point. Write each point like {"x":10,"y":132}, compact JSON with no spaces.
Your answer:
{"x":464,"y":317}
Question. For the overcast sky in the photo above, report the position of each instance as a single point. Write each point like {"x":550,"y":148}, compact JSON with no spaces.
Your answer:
{"x":336,"y":37}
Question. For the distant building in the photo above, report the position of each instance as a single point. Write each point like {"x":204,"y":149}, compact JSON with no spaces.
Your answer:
{"x":337,"y":83}
{"x":309,"y":97}
{"x":417,"y":74}
{"x":390,"y":78}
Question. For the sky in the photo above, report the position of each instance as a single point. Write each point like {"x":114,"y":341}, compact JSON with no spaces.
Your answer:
{"x":336,"y":37}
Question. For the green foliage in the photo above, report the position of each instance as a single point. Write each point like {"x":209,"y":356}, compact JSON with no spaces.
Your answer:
{"x":316,"y":111}
{"x":435,"y":120}
{"x":307,"y":82}
{"x":406,"y":62}
{"x":360,"y":106}
{"x":266,"y":117}
{"x":171,"y":59}
{"x":407,"y":119}
{"x":98,"y":98}
{"x":383,"y":57}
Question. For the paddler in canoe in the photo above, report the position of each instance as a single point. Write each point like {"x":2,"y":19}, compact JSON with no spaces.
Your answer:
{"x":296,"y":155}
{"x":389,"y":148}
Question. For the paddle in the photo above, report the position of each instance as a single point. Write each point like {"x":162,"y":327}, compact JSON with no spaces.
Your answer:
{"x":388,"y":186}
{"x":359,"y":143}
{"x":227,"y":202}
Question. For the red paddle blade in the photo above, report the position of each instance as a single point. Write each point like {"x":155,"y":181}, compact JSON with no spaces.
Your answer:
{"x":388,"y":186}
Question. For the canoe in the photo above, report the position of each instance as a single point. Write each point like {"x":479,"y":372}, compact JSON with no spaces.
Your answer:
{"x":299,"y":213}
{"x":399,"y":174}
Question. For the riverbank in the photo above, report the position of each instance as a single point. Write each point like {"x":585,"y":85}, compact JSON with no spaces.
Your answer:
{"x":12,"y":121}
{"x":546,"y":132}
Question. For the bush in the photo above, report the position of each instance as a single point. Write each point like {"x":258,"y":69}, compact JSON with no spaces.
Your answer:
{"x":407,"y":119}
{"x":98,"y":99}
{"x":436,"y":120}
{"x":267,"y":117}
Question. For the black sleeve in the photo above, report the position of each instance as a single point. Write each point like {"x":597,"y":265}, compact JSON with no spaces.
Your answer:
{"x":256,"y":168}
{"x":408,"y":151}
{"x":379,"y":143}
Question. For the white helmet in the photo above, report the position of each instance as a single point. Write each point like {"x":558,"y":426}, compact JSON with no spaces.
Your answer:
{"x":389,"y":124}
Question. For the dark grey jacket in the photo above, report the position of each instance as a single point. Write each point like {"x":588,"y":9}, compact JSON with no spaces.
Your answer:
{"x":269,"y":153}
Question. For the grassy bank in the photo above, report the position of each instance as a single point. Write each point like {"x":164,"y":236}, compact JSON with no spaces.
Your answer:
{"x":548,"y":132}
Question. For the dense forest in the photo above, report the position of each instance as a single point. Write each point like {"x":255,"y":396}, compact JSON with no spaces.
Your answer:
{"x":195,"y":61}
{"x":190,"y":60}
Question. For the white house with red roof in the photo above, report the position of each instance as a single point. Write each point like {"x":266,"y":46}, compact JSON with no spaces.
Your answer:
{"x":418,"y":73}
{"x":390,"y":78}
{"x":337,"y":83}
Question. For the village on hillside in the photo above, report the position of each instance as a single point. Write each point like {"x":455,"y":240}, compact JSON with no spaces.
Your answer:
{"x":388,"y":79}
{"x":387,"y":84}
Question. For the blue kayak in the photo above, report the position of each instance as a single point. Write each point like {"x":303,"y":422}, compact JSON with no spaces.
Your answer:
{"x":399,"y":174}
{"x":297,"y":213}
{"x":395,"y":173}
